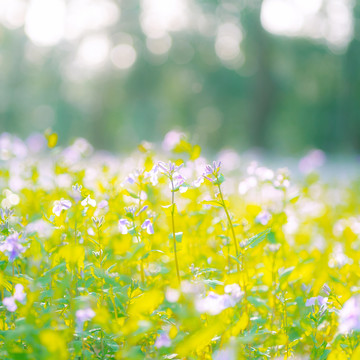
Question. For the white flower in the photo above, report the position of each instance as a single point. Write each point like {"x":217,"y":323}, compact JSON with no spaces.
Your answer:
{"x":153,"y":175}
{"x":234,"y":290}
{"x":88,"y":201}
{"x":172,"y":295}
{"x":214,"y":304}
{"x":198,"y":181}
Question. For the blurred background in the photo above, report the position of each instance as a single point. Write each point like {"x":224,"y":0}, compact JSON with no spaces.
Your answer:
{"x":279,"y":75}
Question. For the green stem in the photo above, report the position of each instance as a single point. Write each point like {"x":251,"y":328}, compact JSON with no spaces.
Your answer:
{"x":143,"y":278}
{"x":75,"y":240}
{"x":142,"y":272}
{"x":102,"y":345}
{"x":274,"y":291}
{"x":101,"y":264}
{"x":173,"y":228}
{"x":230,"y":224}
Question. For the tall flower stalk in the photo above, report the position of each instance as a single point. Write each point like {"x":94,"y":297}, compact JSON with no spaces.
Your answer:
{"x":212,"y":173}
{"x":176,"y":181}
{"x":173,"y":228}
{"x":129,"y":225}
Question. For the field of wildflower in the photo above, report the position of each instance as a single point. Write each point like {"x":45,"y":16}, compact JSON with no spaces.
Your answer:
{"x":165,"y":255}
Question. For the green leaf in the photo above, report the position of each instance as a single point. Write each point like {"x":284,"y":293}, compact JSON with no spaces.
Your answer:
{"x":178,"y":236}
{"x":272,"y":238}
{"x":5,"y":231}
{"x":213,"y":283}
{"x":168,"y":209}
{"x":151,"y":251}
{"x":50,"y":219}
{"x":130,"y":216}
{"x":257,"y":239}
{"x":294,"y":199}
{"x":220,"y":180}
{"x":285,"y":273}
{"x":3,"y":265}
{"x":130,"y":193}
{"x":257,"y":302}
{"x":236,"y":259}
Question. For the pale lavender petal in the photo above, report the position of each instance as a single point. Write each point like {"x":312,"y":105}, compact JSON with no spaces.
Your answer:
{"x":322,"y":300}
{"x":9,"y":303}
{"x":162,"y":341}
{"x":102,"y":204}
{"x":19,"y":295}
{"x":148,"y":226}
{"x":84,"y":315}
{"x":311,"y":301}
{"x":349,"y":315}
{"x":123,"y":224}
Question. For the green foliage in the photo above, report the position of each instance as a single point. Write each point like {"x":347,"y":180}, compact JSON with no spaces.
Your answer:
{"x":101,"y":280}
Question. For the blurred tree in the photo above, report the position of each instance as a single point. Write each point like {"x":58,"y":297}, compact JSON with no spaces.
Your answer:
{"x":222,"y":76}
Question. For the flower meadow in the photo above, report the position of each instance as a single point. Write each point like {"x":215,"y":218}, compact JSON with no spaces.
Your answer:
{"x":165,"y":255}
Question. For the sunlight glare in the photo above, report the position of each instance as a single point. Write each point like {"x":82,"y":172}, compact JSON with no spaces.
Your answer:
{"x":45,"y":21}
{"x":161,"y":16}
{"x":93,"y":50}
{"x":123,"y":56}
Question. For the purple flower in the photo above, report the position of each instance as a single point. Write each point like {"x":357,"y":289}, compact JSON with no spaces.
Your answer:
{"x":326,"y":289}
{"x":12,"y":247}
{"x":130,"y":210}
{"x":148,"y":226}
{"x":163,"y":341}
{"x":123,"y":226}
{"x":314,"y":159}
{"x":130,"y":179}
{"x":168,"y":169}
{"x":5,"y":213}
{"x":84,"y":315}
{"x":141,"y":210}
{"x":263,"y":217}
{"x":77,"y":188}
{"x":225,"y":354}
{"x":320,"y":300}
{"x":19,"y":295}
{"x":177,"y":182}
{"x":212,"y":171}
{"x":60,"y":205}
{"x":349,"y":315}
{"x":133,"y":177}
{"x":102,"y":204}
{"x":76,"y":192}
